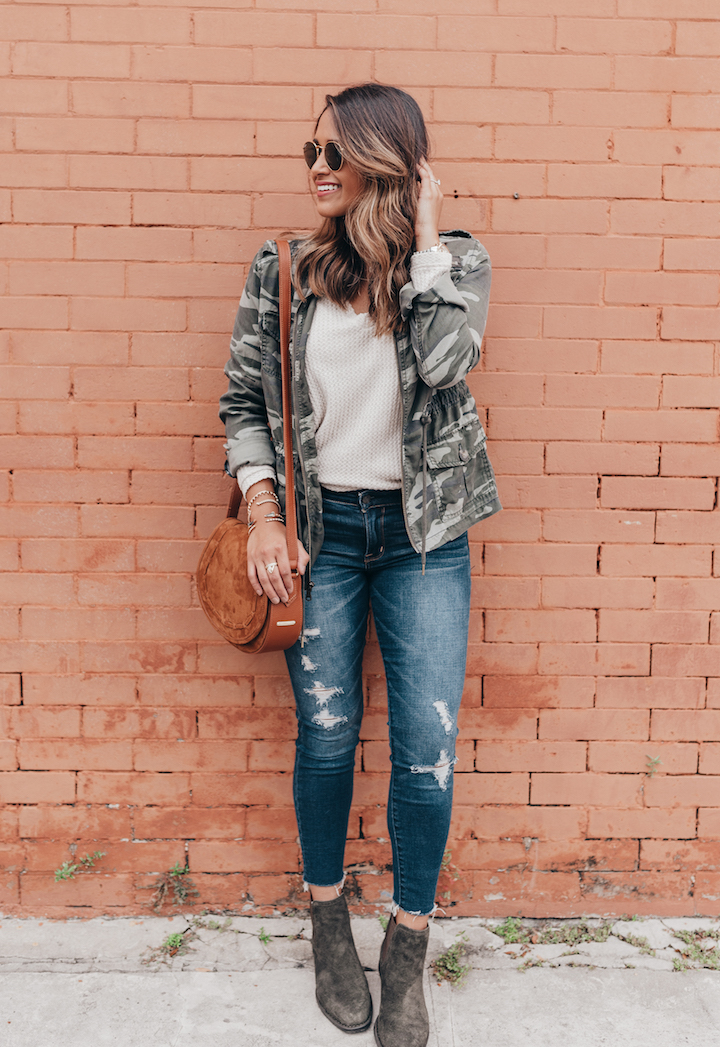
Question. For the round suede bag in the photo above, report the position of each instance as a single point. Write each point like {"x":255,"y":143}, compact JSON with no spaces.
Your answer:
{"x":248,"y":621}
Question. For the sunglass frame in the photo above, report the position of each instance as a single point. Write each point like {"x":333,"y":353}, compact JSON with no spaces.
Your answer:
{"x":317,"y":149}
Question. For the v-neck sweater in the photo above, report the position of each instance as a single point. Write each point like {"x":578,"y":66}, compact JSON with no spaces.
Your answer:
{"x":354,"y":385}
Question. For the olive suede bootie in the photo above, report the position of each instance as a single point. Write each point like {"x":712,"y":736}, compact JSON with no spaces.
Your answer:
{"x":341,"y":988}
{"x":403,"y":1018}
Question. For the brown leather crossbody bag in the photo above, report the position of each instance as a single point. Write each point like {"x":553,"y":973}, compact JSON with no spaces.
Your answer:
{"x":246,"y":620}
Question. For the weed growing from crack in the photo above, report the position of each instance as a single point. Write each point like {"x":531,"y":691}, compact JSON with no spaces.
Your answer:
{"x":640,"y":943}
{"x":693,"y":955}
{"x":197,"y":923}
{"x":68,"y":869}
{"x":653,"y":762}
{"x":176,"y":944}
{"x":384,"y":920}
{"x":574,"y":934}
{"x":212,"y":925}
{"x":175,"y":882}
{"x":448,"y":967}
{"x":513,"y":932}
{"x":172,"y":943}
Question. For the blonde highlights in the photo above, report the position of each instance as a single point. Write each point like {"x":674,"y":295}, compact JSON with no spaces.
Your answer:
{"x":382,"y":135}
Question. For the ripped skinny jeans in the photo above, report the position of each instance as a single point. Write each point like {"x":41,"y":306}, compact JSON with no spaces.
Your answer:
{"x":422,"y":626}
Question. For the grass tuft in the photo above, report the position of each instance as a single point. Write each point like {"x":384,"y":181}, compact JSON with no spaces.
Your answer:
{"x":514,"y":932}
{"x":640,"y":943}
{"x":696,"y":954}
{"x":449,"y":966}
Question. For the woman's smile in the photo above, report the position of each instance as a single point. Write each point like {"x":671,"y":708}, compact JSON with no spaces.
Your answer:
{"x":323,"y":188}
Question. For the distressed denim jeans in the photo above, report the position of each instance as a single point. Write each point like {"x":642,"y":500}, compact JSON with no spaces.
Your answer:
{"x":422,"y":625}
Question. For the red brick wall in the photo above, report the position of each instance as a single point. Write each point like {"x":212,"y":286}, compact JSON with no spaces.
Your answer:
{"x":147,"y":150}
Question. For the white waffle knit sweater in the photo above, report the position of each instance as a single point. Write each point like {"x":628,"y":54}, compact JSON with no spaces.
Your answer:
{"x":354,"y":386}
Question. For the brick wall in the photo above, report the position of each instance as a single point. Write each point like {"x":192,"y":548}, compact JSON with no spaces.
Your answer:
{"x":146,"y":151}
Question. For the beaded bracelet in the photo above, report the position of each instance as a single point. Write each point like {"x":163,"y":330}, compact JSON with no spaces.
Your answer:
{"x":271,"y":494}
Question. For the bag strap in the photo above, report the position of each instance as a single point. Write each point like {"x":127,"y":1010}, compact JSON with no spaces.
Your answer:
{"x":285,"y":295}
{"x":285,"y":310}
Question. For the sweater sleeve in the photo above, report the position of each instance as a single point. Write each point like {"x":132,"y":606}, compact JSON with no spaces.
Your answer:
{"x":447,"y":321}
{"x":427,"y":266}
{"x":247,"y":475}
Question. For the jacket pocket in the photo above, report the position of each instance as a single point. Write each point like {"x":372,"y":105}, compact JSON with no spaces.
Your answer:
{"x":449,"y":461}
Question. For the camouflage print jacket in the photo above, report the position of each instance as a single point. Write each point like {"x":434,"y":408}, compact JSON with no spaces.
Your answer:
{"x":448,"y":482}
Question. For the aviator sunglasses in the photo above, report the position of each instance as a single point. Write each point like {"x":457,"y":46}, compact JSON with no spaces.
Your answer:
{"x":333,"y":156}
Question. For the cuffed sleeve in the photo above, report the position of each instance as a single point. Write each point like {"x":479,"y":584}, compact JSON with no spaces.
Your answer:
{"x":447,"y":321}
{"x":428,"y":266}
{"x":247,"y":475}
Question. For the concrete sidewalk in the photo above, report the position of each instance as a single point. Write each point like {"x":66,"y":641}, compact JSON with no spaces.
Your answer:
{"x":248,"y":982}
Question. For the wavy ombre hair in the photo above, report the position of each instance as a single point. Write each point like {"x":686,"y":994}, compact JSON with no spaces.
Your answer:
{"x":382,"y":135}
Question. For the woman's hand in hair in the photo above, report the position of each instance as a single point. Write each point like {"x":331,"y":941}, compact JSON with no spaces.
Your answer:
{"x":430,"y":201}
{"x":268,"y":545}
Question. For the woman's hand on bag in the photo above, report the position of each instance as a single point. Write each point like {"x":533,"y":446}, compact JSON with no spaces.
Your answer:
{"x":267,"y":545}
{"x":430,"y":201}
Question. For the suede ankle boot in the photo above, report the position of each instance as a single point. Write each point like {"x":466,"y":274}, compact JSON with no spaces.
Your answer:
{"x":341,"y":988}
{"x":403,"y":1018}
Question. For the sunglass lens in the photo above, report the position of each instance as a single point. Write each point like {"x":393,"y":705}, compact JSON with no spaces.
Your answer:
{"x":310,"y":153}
{"x":333,"y":156}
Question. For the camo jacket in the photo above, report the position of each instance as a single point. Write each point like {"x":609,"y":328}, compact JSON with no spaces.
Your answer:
{"x":447,"y":480}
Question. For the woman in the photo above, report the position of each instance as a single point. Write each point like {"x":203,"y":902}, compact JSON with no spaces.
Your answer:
{"x":391,"y":471}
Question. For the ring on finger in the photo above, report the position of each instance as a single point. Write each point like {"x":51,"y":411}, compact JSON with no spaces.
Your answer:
{"x":270,"y":567}
{"x":435,"y":180}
